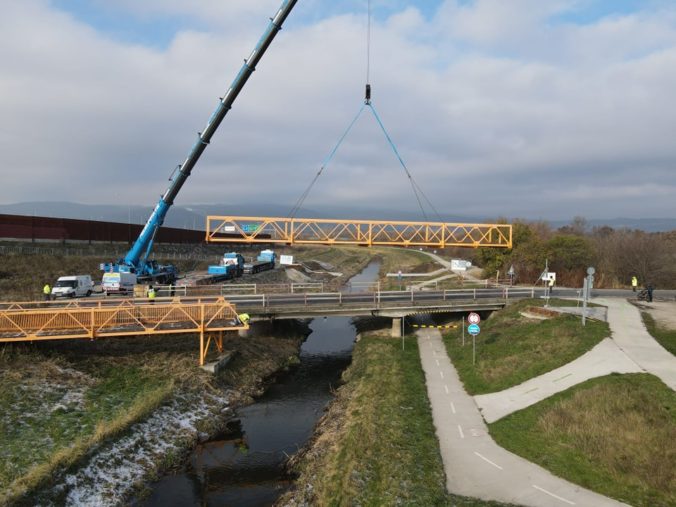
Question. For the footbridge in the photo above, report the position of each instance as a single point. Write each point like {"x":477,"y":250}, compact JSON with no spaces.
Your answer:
{"x":93,"y":320}
{"x":248,"y":230}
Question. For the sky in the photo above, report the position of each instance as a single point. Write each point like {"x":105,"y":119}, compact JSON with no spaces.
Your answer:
{"x":510,"y":108}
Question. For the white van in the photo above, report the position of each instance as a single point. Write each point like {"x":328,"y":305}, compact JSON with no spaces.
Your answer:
{"x":72,"y":286}
{"x":118,"y":283}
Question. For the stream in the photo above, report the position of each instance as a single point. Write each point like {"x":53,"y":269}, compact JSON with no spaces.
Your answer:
{"x":244,"y":466}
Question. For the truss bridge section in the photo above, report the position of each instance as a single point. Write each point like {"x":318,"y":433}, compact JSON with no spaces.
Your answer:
{"x":234,"y":229}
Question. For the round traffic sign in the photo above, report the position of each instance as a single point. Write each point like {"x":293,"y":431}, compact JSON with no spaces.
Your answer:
{"x":473,"y":318}
{"x":473,"y":329}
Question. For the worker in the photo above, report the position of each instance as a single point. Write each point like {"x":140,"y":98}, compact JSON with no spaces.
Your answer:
{"x":634,"y":283}
{"x":47,"y":292}
{"x":244,"y":318}
{"x":151,"y":294}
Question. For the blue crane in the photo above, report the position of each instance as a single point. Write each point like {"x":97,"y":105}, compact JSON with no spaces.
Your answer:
{"x":136,"y":261}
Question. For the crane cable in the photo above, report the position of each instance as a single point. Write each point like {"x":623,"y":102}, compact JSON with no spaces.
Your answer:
{"x":303,"y":196}
{"x":417,"y":191}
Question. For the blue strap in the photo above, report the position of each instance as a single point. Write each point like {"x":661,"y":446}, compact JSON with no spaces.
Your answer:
{"x":328,"y":159}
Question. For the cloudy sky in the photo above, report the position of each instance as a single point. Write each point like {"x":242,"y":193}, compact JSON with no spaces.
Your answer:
{"x":519,"y":108}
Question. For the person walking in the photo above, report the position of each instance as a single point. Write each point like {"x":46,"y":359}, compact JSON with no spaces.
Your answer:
{"x":634,"y":283}
{"x":650,"y":292}
{"x":151,"y":295}
{"x":551,"y":286}
{"x":47,"y":292}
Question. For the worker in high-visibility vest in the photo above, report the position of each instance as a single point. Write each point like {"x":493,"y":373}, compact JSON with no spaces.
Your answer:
{"x":244,"y":318}
{"x":47,"y":292}
{"x":634,"y":283}
{"x":151,"y":294}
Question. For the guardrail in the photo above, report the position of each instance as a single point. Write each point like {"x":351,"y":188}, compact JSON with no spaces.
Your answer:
{"x":379,"y":299}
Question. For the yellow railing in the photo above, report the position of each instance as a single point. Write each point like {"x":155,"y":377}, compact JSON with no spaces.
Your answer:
{"x":126,"y":319}
{"x":232,"y":229}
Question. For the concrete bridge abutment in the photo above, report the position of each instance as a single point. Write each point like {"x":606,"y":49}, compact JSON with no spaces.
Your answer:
{"x":396,"y":327}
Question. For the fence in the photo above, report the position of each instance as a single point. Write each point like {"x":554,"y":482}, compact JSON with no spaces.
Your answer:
{"x":67,"y":229}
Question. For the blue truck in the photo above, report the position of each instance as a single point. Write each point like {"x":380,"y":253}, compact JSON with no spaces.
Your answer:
{"x":231,"y":266}
{"x":264,"y":261}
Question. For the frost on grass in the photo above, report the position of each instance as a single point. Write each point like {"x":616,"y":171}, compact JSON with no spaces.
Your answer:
{"x":112,"y":473}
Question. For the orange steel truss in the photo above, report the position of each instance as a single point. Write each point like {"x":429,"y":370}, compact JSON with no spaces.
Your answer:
{"x":232,"y":229}
{"x":208,"y":319}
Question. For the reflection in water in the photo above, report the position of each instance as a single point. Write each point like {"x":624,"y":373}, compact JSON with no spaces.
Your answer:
{"x":244,"y":467}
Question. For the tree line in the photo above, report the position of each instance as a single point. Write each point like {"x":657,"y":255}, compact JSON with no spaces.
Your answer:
{"x":617,"y":255}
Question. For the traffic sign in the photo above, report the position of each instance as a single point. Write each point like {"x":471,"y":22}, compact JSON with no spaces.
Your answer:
{"x":473,"y":318}
{"x":473,"y":329}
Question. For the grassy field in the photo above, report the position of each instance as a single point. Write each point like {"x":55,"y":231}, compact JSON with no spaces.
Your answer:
{"x":512,"y":348}
{"x":376,"y":445}
{"x":615,"y":435}
{"x":665,"y":337}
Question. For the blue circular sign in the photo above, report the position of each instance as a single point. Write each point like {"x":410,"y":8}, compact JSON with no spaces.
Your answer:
{"x":473,"y":329}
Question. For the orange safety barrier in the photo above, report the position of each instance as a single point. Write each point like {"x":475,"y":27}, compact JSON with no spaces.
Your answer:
{"x":232,"y":229}
{"x":123,"y":320}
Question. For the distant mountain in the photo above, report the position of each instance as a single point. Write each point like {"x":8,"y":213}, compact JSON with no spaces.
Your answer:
{"x":194,"y":216}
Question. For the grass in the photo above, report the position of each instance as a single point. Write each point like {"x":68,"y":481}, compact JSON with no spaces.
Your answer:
{"x":377,"y":444}
{"x":512,"y":349}
{"x":615,"y":435}
{"x":60,"y":413}
{"x":665,"y":337}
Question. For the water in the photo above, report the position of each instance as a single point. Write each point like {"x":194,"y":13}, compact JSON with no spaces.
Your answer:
{"x":244,"y":467}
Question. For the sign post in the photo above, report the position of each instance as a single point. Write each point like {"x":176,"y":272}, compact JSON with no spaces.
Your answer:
{"x":586,"y":290}
{"x":399,"y":277}
{"x":474,"y":330}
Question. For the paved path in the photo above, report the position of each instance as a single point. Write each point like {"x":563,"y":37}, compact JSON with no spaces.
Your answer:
{"x":475,"y":465}
{"x":631,"y":336}
{"x":604,"y":359}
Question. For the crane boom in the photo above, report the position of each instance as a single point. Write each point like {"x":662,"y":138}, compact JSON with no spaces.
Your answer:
{"x":136,"y":258}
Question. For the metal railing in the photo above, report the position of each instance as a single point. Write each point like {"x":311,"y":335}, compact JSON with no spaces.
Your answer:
{"x":237,"y":288}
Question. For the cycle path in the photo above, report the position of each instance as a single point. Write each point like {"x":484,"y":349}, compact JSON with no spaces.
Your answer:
{"x":475,"y":465}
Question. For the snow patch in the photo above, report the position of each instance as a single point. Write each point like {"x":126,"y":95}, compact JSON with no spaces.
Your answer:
{"x":115,"y":469}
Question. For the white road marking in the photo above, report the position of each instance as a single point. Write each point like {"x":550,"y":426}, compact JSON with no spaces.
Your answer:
{"x":487,"y":460}
{"x":553,"y":495}
{"x":561,"y":378}
{"x":441,"y":373}
{"x":446,"y":387}
{"x":462,"y":435}
{"x":452,"y":407}
{"x":437,"y":362}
